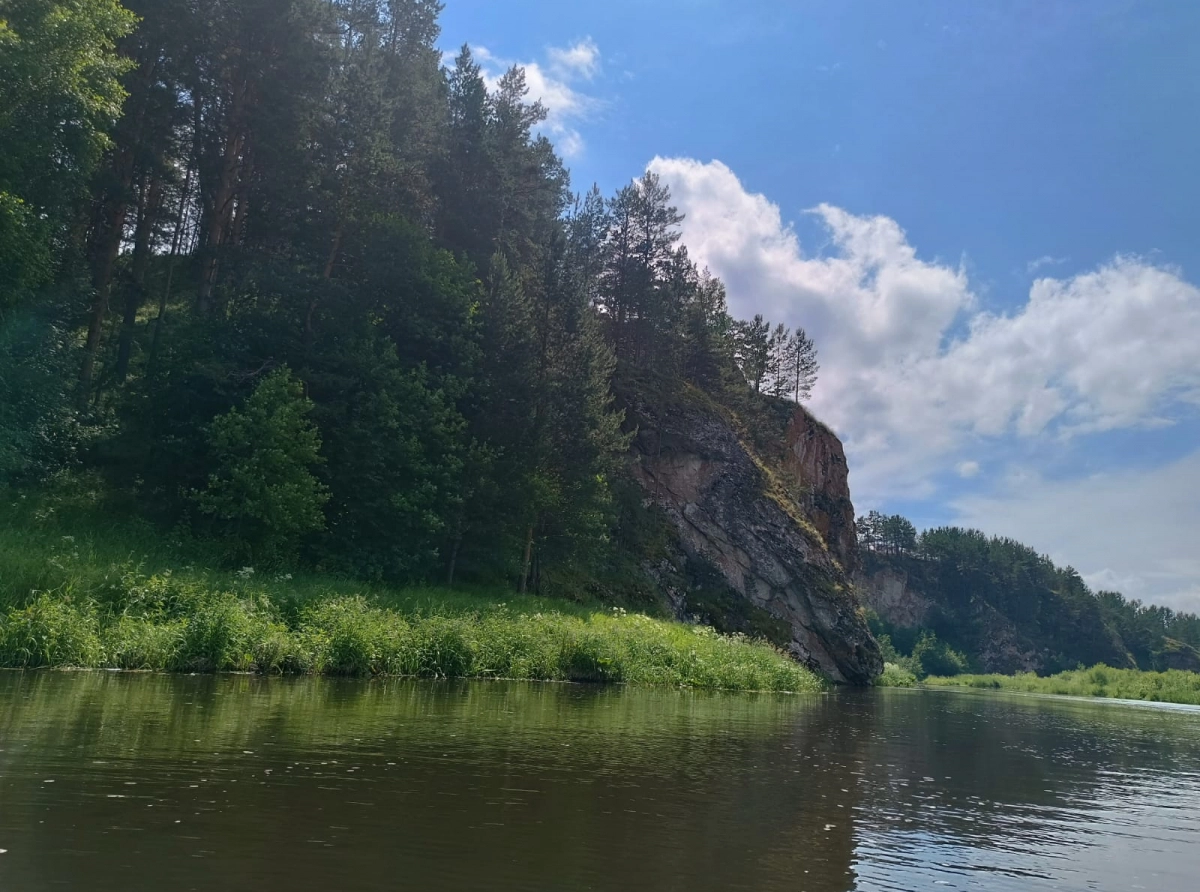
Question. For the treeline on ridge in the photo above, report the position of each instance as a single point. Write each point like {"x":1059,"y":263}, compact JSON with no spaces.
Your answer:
{"x":991,"y":598}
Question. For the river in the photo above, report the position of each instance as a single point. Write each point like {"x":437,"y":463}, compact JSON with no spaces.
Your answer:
{"x":149,"y":782}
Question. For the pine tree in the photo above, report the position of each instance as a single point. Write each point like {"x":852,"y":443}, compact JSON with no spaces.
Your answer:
{"x":798,"y":367}
{"x":754,"y":354}
{"x":639,"y":253}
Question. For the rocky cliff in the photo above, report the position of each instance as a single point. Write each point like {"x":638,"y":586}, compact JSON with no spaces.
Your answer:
{"x":777,"y":528}
{"x":814,"y":466}
{"x":911,"y":595}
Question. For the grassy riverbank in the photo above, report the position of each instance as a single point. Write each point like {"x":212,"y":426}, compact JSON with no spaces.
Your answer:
{"x":1172,"y":686}
{"x":118,"y":597}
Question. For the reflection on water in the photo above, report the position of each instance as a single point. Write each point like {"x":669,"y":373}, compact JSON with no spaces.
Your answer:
{"x":154,"y":782}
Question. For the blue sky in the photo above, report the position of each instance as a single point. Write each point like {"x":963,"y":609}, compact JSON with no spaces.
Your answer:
{"x":986,"y":214}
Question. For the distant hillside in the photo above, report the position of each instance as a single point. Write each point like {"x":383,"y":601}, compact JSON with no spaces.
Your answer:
{"x":952,"y":599}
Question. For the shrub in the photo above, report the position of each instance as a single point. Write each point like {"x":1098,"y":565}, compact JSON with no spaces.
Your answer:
{"x":895,"y":677}
{"x":263,"y":492}
{"x":934,"y":657}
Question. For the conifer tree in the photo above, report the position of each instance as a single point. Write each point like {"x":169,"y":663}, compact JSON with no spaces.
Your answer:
{"x":797,"y":365}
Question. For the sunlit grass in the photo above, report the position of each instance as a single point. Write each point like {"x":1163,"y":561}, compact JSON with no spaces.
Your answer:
{"x":1172,"y":686}
{"x":78,"y":595}
{"x":895,"y":677}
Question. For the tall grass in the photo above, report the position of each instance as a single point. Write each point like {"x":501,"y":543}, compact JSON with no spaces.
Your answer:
{"x":895,"y":676}
{"x":1172,"y":686}
{"x":121,"y":598}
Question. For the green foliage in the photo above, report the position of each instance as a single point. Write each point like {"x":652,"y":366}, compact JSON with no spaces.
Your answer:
{"x":1172,"y":686}
{"x":50,"y":631}
{"x":395,"y":450}
{"x":886,"y":534}
{"x":263,"y":491}
{"x":895,"y":676}
{"x":230,"y":188}
{"x":60,"y":95}
{"x":26,"y":260}
{"x":934,"y":657}
{"x":1158,"y":637}
{"x":40,"y":430}
{"x":982,"y":588}
{"x":109,"y":613}
{"x":921,"y":654}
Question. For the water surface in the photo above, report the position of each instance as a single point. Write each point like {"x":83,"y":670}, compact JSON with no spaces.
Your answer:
{"x":149,"y":782}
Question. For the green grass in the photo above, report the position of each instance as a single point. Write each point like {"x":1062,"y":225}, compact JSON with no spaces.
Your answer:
{"x":77,"y":593}
{"x":895,"y":677}
{"x":1172,"y":686}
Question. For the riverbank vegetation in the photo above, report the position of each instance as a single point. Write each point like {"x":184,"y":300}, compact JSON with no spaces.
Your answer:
{"x":895,"y":676}
{"x":1171,"y":686}
{"x":74,"y":598}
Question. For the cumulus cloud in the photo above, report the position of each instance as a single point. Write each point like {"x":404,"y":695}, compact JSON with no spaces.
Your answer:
{"x":967,"y":469}
{"x":553,"y":83}
{"x":914,"y":371}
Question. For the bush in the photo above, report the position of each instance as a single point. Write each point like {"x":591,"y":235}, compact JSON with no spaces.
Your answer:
{"x":934,"y":657}
{"x":895,"y":677}
{"x":263,"y":492}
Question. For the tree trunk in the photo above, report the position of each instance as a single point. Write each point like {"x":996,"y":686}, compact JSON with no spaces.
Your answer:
{"x":219,"y":218}
{"x":165,"y":296}
{"x":147,"y":218}
{"x":326,"y":274}
{"x":525,"y":564}
{"x":454,"y":549}
{"x":113,"y":228}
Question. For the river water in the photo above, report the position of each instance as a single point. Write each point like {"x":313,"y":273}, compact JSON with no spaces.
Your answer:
{"x":150,"y":782}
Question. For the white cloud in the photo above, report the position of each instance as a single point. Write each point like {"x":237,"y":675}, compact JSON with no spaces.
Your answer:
{"x":581,"y":59}
{"x":913,"y":371}
{"x":967,"y":469}
{"x":552,"y":85}
{"x":1132,"y":531}
{"x":1034,"y":265}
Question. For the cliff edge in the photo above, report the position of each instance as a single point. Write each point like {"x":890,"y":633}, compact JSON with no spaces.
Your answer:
{"x":777,"y":524}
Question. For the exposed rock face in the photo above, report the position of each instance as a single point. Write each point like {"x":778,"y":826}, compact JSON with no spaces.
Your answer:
{"x":904,"y":600}
{"x":730,"y":511}
{"x":888,"y":593}
{"x":1177,"y":655}
{"x":815,"y":464}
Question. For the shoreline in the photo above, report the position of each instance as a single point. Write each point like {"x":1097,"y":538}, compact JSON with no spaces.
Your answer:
{"x":1174,"y":687}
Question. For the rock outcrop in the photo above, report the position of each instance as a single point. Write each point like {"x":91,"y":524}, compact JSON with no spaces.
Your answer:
{"x":1177,"y":655}
{"x":814,"y":463}
{"x":889,"y":593}
{"x":905,"y":594}
{"x":763,"y":528}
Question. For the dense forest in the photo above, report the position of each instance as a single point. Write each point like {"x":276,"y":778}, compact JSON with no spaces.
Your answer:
{"x":982,"y":592}
{"x":280,"y":278}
